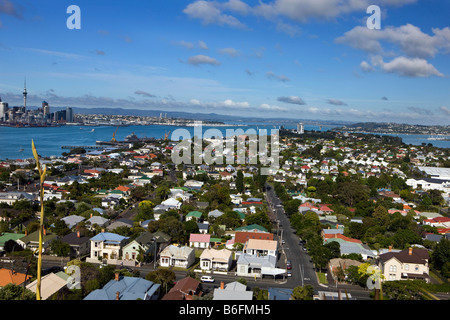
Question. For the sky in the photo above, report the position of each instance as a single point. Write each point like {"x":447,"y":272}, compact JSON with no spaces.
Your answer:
{"x":295,"y":59}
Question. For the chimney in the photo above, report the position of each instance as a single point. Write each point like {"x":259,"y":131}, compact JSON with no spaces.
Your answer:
{"x":117,"y":295}
{"x":92,"y":215}
{"x":78,"y":234}
{"x":45,"y":231}
{"x":390,"y":248}
{"x":410,"y":251}
{"x":222,"y":285}
{"x":103,"y":230}
{"x":117,"y":276}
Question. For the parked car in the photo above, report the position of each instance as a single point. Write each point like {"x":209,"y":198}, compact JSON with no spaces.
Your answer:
{"x":207,"y":279}
{"x":288,"y":265}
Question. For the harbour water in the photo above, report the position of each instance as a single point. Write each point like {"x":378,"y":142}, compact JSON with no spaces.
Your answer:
{"x":15,"y":143}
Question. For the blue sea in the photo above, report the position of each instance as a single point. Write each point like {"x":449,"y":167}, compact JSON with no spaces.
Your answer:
{"x":15,"y":143}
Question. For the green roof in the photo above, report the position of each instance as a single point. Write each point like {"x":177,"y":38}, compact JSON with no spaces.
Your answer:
{"x":6,"y":236}
{"x":251,"y":227}
{"x":197,"y":214}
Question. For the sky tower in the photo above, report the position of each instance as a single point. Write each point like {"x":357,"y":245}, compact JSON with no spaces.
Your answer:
{"x":25,"y":93}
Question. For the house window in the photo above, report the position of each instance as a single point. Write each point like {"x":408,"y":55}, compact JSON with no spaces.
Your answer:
{"x":417,"y":267}
{"x":406,"y":266}
{"x":393,"y":268}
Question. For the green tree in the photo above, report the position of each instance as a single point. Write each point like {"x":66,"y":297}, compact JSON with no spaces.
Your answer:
{"x":60,"y":228}
{"x":441,"y":254}
{"x":61,"y":249}
{"x":303,"y":293}
{"x":164,"y":277}
{"x":240,"y":181}
{"x":15,"y":292}
{"x":291,"y":206}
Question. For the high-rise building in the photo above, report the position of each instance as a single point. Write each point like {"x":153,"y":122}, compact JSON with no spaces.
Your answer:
{"x":3,"y":109}
{"x":46,"y":109}
{"x":69,"y":114}
{"x":300,"y":128}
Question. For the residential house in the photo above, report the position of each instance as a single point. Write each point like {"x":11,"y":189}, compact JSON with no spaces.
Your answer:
{"x":50,"y":284}
{"x":11,"y":197}
{"x":215,"y":213}
{"x":212,"y":259}
{"x":257,"y":266}
{"x":110,"y":202}
{"x":201,"y":240}
{"x":9,"y":276}
{"x":411,"y":263}
{"x":232,"y":291}
{"x":126,"y":288}
{"x":31,"y":241}
{"x":7,"y":236}
{"x":252,"y":228}
{"x":97,"y":221}
{"x":259,"y":247}
{"x":203,"y":227}
{"x":184,"y":289}
{"x":145,"y":244}
{"x":172,"y":203}
{"x":79,"y":244}
{"x":244,"y":236}
{"x":106,"y":246}
{"x":122,"y":222}
{"x":72,"y":220}
{"x":194,"y":215}
{"x":173,"y":256}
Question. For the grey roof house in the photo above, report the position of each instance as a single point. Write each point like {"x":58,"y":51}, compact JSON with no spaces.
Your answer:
{"x":126,"y":288}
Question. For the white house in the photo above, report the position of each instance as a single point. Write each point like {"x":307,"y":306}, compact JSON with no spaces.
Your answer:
{"x":259,"y":247}
{"x":106,"y":246}
{"x":172,"y":203}
{"x":200,"y":240}
{"x":212,"y":259}
{"x":173,"y":256}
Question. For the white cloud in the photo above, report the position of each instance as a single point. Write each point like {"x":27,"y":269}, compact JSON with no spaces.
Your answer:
{"x":445,"y":110}
{"x":292,"y":100}
{"x":210,"y":13}
{"x":202,"y":45}
{"x":336,"y":102}
{"x":409,"y":39}
{"x":269,"y":107}
{"x":232,"y":52}
{"x":408,"y":67}
{"x":202,"y":59}
{"x":366,"y":67}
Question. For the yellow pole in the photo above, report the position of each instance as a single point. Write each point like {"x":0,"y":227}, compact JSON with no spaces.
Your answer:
{"x":41,"y":223}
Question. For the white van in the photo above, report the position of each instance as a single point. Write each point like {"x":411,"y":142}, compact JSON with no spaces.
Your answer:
{"x":207,"y":279}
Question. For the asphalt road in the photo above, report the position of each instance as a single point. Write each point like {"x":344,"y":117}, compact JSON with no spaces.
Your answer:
{"x":302,"y":269}
{"x":303,"y":272}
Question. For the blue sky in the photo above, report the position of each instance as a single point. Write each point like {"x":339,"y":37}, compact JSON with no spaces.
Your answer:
{"x":298,"y":59}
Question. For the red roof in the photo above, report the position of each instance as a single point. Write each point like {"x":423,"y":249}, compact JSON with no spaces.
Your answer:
{"x":341,"y":236}
{"x":243,"y":236}
{"x":195,"y":237}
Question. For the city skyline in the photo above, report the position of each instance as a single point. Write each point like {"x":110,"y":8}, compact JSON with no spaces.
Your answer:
{"x":283,"y":58}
